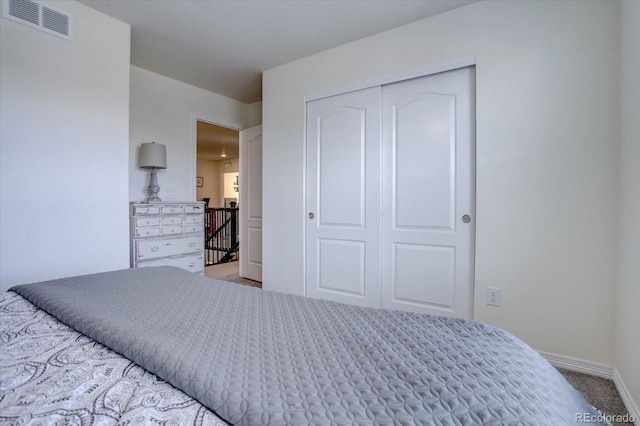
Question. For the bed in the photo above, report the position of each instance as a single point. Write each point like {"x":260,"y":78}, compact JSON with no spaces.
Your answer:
{"x":162,"y":345}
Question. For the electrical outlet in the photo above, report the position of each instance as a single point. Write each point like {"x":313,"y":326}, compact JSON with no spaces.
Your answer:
{"x":493,"y":296}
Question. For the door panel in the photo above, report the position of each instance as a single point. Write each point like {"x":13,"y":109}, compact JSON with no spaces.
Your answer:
{"x":253,"y":176}
{"x":341,"y":166}
{"x":429,"y":118}
{"x":254,"y":247}
{"x":428,"y":185}
{"x":413,"y":265}
{"x":251,"y":203}
{"x":341,"y":266}
{"x":343,"y":198}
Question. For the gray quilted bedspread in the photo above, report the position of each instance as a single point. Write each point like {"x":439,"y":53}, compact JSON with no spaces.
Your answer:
{"x":258,"y":357}
{"x":52,"y":375}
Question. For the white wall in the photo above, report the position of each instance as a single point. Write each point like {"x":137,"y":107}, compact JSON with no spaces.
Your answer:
{"x":211,"y":188}
{"x":213,"y":173}
{"x":64,"y":144}
{"x":254,"y":114}
{"x":547,"y":156}
{"x":627,"y":321}
{"x":165,"y":110}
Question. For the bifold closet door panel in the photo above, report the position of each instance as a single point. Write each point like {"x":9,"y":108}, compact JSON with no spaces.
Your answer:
{"x":343,"y":198}
{"x":428,"y":194}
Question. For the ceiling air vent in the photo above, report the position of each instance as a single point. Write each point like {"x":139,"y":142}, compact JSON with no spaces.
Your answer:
{"x":39,"y":16}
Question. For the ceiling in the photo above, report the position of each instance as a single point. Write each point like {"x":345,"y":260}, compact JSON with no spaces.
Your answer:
{"x":224,"y":45}
{"x":216,"y":141}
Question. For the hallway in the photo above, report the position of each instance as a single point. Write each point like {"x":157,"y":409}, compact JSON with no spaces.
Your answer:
{"x":229,"y":272}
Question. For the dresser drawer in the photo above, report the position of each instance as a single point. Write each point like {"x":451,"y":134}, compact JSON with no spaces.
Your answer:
{"x":193,"y":218}
{"x":193,"y":263}
{"x":172,"y":220}
{"x":171,"y":209}
{"x":172,"y":230}
{"x":168,"y":247}
{"x":147,"y":232}
{"x":148,"y":221}
{"x":146,"y":210}
{"x":193,"y":208}
{"x":189,"y":229}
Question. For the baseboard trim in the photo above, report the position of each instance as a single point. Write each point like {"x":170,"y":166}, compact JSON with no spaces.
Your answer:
{"x":579,"y":365}
{"x":625,"y":395}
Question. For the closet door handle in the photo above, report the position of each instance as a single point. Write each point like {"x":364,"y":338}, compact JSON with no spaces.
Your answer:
{"x":466,"y":218}
{"x":311,"y":215}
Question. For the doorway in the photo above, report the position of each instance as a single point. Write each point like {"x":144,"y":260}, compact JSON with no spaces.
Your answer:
{"x":229,"y":174}
{"x":217,"y":153}
{"x":217,"y":169}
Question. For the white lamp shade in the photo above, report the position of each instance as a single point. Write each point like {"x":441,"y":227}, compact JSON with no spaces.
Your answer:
{"x":152,"y":155}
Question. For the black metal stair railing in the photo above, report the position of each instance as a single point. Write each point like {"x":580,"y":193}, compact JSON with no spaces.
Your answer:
{"x":221,"y":241}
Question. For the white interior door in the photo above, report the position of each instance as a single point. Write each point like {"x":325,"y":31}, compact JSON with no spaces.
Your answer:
{"x":428,"y":194}
{"x":250,"y":183}
{"x":343,"y":198}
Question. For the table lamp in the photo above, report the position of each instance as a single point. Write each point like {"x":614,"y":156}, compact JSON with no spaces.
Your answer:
{"x":153,"y":156}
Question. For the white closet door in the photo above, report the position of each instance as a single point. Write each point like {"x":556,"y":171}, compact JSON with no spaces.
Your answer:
{"x":251,"y":203}
{"x":428,"y":194}
{"x":343,"y":198}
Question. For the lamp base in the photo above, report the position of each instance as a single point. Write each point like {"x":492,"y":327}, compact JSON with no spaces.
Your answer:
{"x":153,"y":187}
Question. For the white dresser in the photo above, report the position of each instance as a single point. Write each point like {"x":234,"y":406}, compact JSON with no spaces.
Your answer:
{"x":167,"y":233}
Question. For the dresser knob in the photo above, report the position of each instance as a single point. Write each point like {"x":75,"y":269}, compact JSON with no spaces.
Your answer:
{"x":154,"y":249}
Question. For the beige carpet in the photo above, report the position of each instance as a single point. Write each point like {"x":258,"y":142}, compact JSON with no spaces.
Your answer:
{"x":229,"y":272}
{"x":599,"y":392}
